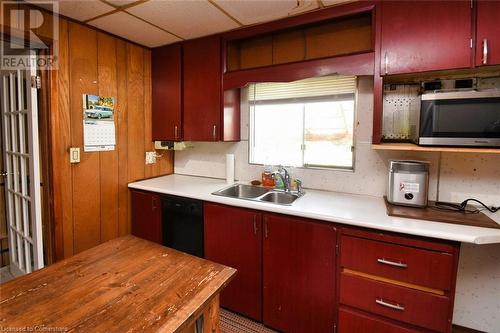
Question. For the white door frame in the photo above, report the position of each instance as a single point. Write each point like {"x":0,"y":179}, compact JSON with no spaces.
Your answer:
{"x":21,"y":158}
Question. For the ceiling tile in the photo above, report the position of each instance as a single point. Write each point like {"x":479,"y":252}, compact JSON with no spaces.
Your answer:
{"x":42,"y":4}
{"x":131,"y":28}
{"x":335,"y":2}
{"x":120,"y":3}
{"x":256,"y":11}
{"x":83,"y":10}
{"x":187,"y":19}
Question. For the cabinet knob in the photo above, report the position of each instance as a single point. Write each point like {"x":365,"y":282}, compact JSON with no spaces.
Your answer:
{"x":176,"y":132}
{"x":214,"y":132}
{"x":255,"y":225}
{"x":266,"y":232}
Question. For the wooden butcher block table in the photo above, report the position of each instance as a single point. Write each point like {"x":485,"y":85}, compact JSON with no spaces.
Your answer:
{"x":124,"y":285}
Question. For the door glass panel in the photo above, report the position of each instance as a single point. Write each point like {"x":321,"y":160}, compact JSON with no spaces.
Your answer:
{"x":15,"y":249}
{"x":26,"y":137}
{"x":25,"y":93}
{"x":15,"y":94}
{"x":14,"y":136}
{"x":27,"y":216}
{"x":17,"y":212}
{"x":24,"y":180}
{"x":10,"y":177}
{"x":17,"y":178}
{"x":20,"y":252}
{"x":32,"y":255}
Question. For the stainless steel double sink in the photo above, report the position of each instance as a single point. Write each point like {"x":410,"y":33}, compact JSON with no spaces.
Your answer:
{"x":257,"y":193}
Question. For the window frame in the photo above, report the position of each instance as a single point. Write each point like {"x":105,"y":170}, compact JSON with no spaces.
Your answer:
{"x":251,"y":125}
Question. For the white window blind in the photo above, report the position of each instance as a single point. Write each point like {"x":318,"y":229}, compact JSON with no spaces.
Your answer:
{"x":333,"y":85}
{"x":306,"y":123}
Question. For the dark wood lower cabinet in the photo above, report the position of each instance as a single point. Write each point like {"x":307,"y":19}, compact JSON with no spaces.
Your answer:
{"x":404,"y":304}
{"x":402,"y":283}
{"x":146,"y":216}
{"x":355,"y":322}
{"x":233,"y":237}
{"x":299,"y":274}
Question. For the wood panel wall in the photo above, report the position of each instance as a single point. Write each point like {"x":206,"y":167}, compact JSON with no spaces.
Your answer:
{"x":91,"y":199}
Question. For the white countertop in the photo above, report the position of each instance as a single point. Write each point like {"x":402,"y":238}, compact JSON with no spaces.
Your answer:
{"x":357,"y":210}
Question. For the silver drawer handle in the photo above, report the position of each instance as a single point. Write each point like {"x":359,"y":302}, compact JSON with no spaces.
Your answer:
{"x":396,"y":306}
{"x":386,"y":62}
{"x":392,"y":263}
{"x":485,"y":51}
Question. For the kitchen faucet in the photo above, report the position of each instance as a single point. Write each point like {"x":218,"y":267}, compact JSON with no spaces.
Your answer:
{"x":285,"y":177}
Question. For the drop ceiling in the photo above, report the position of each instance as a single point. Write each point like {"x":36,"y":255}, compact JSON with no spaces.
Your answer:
{"x":154,"y":23}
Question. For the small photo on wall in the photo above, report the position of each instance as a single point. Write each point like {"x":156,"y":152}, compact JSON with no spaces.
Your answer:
{"x":97,"y":107}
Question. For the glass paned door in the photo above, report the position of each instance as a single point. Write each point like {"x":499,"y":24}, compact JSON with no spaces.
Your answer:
{"x":22,"y":172}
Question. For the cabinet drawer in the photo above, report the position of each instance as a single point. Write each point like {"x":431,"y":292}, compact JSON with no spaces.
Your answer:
{"x":404,"y":304}
{"x":351,"y":321}
{"x":425,"y":268}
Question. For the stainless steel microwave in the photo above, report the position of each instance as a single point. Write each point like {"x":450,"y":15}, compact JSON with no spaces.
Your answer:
{"x":458,"y":118}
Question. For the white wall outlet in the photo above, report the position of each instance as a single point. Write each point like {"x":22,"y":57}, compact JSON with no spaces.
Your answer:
{"x":150,"y":157}
{"x":74,"y":155}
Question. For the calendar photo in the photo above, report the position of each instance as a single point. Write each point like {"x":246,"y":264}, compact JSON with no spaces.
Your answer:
{"x":98,"y":123}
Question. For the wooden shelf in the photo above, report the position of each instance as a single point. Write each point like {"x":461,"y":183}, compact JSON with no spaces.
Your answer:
{"x":414,"y":147}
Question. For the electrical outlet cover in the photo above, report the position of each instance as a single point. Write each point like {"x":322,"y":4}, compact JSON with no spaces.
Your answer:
{"x":74,"y":155}
{"x":150,"y":157}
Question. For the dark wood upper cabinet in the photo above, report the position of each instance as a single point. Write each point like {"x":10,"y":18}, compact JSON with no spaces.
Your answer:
{"x":233,"y":237}
{"x":420,"y":36}
{"x":202,"y":89}
{"x":146,"y":216}
{"x":299,"y":274}
{"x":188,"y":99}
{"x":487,"y":33}
{"x":167,"y":92}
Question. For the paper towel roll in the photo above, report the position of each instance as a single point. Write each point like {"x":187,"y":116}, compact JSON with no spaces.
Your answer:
{"x":230,"y":168}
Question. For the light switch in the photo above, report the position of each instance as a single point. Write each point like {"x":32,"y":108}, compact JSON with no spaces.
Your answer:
{"x":74,"y":155}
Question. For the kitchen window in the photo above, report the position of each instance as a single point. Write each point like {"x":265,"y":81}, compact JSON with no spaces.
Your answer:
{"x":307,"y":123}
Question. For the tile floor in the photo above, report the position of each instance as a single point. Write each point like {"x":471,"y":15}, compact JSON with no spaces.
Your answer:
{"x":5,"y":274}
{"x":232,"y":323}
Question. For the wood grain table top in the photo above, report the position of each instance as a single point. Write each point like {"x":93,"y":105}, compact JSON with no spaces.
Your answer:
{"x":431,"y":213}
{"x":124,"y":285}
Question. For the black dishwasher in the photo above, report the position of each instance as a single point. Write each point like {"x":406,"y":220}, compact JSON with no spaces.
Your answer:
{"x":183,"y":224}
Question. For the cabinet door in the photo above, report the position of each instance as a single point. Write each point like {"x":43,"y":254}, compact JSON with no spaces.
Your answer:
{"x":420,"y":36}
{"x":146,"y":216}
{"x":299,"y":274}
{"x":202,"y":89}
{"x":352,"y":321}
{"x":488,"y":34}
{"x":233,"y":237}
{"x":167,"y":92}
